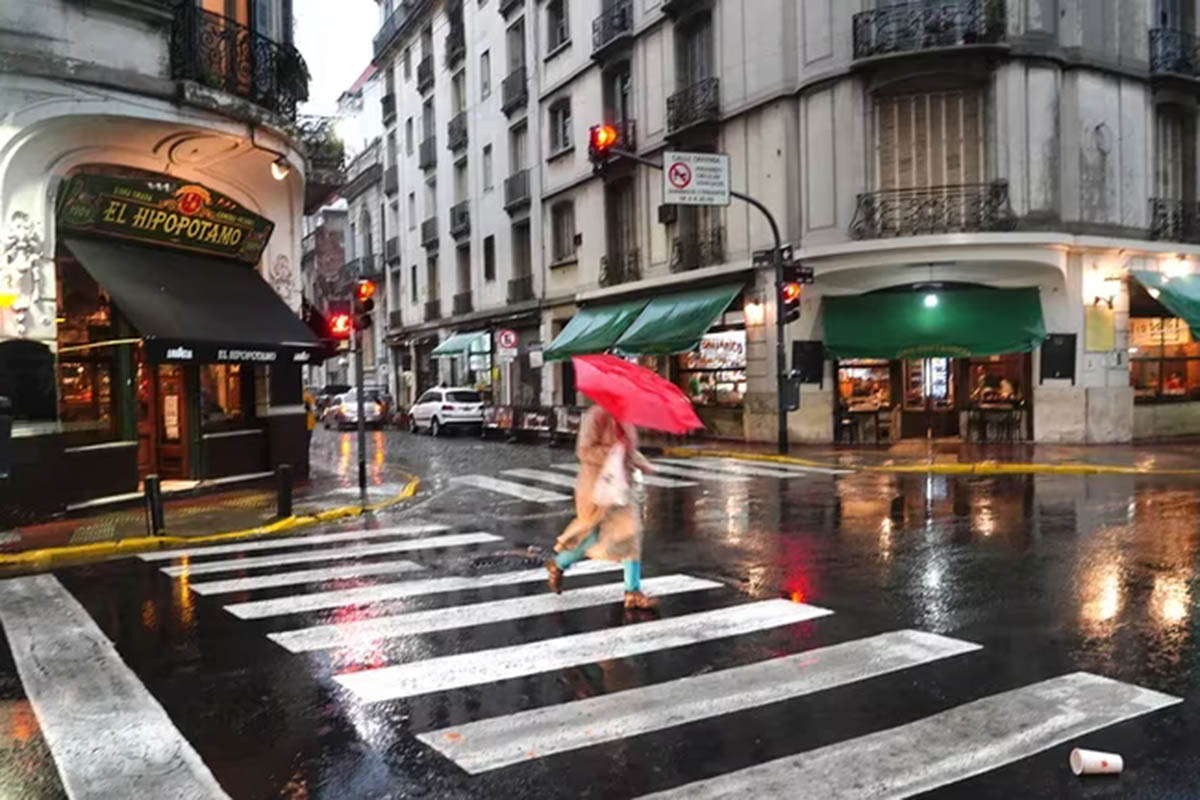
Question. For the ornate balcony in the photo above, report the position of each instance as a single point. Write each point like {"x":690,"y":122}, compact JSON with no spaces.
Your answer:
{"x":520,"y":289}
{"x":429,"y":233}
{"x":516,"y":191}
{"x":368,"y":266}
{"x":406,"y":13}
{"x":456,"y":132}
{"x":391,"y":249}
{"x":425,"y":74}
{"x":433,"y":309}
{"x":916,"y":26}
{"x":620,"y":267}
{"x":427,"y":157}
{"x":460,"y":219}
{"x":1174,"y":52}
{"x":462,"y":303}
{"x":706,"y":250}
{"x":677,"y":8}
{"x":1174,"y":220}
{"x":325,"y":160}
{"x":698,"y":104}
{"x":222,"y":54}
{"x":395,"y":320}
{"x":514,"y":94}
{"x":613,"y":27}
{"x":388,"y":104}
{"x":391,"y":180}
{"x":966,"y":208}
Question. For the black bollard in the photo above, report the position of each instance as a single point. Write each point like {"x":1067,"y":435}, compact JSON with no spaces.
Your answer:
{"x":283,"y":491}
{"x":154,"y":506}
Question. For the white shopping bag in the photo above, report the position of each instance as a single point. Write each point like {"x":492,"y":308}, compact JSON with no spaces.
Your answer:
{"x":612,"y":487}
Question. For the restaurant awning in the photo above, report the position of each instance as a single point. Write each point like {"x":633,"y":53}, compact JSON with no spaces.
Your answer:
{"x":594,"y":329}
{"x":461,"y":344}
{"x":916,"y":324}
{"x":1180,"y":295}
{"x":196,"y":308}
{"x":674,"y":323}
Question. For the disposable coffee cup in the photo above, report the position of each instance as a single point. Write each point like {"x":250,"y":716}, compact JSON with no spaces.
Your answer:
{"x":1094,"y":762}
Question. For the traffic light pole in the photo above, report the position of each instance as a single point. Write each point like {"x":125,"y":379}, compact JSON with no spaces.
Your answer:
{"x":780,"y":325}
{"x":362,"y":424}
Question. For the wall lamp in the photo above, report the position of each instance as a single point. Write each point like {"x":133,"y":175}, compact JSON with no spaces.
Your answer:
{"x":280,"y":168}
{"x":1106,"y":300}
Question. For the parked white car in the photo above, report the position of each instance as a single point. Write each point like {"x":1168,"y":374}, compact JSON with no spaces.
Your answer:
{"x":440,"y":409}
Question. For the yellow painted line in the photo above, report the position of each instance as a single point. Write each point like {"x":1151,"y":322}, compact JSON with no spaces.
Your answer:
{"x":938,"y":468}
{"x":51,"y":556}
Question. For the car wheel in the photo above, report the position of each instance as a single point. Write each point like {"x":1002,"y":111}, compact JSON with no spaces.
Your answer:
{"x":413,"y":428}
{"x":435,"y":427}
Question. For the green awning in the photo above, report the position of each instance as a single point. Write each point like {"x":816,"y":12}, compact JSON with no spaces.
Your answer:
{"x":674,"y":323}
{"x":594,"y":329}
{"x":460,"y":344}
{"x":1181,"y":295}
{"x":961,"y":322}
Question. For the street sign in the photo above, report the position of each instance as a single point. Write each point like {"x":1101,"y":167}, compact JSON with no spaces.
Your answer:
{"x":506,"y":346}
{"x":763,"y":258}
{"x":696,"y":179}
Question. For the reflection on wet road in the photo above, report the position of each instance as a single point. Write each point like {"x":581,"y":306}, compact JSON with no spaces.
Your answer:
{"x":820,"y":634}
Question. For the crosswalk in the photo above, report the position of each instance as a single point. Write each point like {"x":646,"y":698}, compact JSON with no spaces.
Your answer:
{"x":529,"y":484}
{"x":298,"y":605}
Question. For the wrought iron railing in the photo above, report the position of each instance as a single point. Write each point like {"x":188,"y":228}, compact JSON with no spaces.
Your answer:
{"x":391,"y":248}
{"x":462,"y":303}
{"x":705,"y":250}
{"x":520,"y":289}
{"x":427,"y":156}
{"x":456,"y":131}
{"x":962,"y":208}
{"x":460,"y":218}
{"x":388,"y":104}
{"x":1174,"y":51}
{"x":620,"y":267}
{"x":1174,"y":220}
{"x":509,"y":5}
{"x":323,"y":150}
{"x":516,"y":190}
{"x":614,"y":23}
{"x":429,"y":232}
{"x":406,"y":12}
{"x":911,"y":26}
{"x":395,"y":320}
{"x":433,"y":309}
{"x":514,"y":93}
{"x":223,"y":54}
{"x":391,"y":180}
{"x":425,"y":73}
{"x":698,"y":103}
{"x":368,"y":266}
{"x":456,"y":45}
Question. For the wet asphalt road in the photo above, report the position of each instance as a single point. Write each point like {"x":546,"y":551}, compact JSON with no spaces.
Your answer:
{"x":1049,"y":574}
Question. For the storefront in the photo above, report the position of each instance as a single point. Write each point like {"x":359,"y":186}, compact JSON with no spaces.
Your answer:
{"x":933,"y":362}
{"x":174,"y":356}
{"x":1164,"y":354}
{"x":470,"y":357}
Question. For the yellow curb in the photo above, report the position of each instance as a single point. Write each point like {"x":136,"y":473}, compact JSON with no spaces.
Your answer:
{"x":934,"y":468}
{"x":50,"y":556}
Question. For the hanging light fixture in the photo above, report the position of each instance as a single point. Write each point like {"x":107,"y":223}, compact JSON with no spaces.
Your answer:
{"x":280,"y":168}
{"x":931,"y":300}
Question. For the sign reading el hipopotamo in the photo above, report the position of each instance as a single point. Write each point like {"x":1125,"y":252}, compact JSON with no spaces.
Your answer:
{"x":164,"y":211}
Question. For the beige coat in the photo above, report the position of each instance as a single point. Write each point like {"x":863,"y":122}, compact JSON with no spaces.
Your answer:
{"x":620,"y":527}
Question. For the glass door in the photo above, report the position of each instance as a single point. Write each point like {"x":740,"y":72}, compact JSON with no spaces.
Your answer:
{"x":172,"y":425}
{"x":930,"y":411}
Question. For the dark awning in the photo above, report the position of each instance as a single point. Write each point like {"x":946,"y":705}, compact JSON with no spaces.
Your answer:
{"x":594,"y":329}
{"x":674,"y":323}
{"x":196,"y":308}
{"x":952,"y":322}
{"x":1180,"y":295}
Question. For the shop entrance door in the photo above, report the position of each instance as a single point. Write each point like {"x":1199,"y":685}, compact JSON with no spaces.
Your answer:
{"x":929,"y":410}
{"x":163,"y":421}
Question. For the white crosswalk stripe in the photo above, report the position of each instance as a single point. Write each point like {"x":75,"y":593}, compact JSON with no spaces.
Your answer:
{"x":552,"y":478}
{"x":346,"y":634}
{"x":382,"y":592}
{"x":921,"y":756}
{"x":757,"y":469}
{"x":649,"y":480}
{"x":698,"y":474}
{"x":512,"y":489}
{"x":293,"y":541}
{"x":299,"y":577}
{"x":788,"y":467}
{"x":487,"y":666}
{"x":332,"y":554}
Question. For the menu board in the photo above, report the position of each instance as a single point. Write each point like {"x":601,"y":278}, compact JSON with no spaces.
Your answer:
{"x":1155,"y":331}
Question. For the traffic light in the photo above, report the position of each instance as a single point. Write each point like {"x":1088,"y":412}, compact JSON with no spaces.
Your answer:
{"x":789,"y":295}
{"x":364,"y":303}
{"x":601,"y":140}
{"x":340,"y":325}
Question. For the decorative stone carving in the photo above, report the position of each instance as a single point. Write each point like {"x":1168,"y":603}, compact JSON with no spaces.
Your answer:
{"x":280,"y":276}
{"x":24,"y":281}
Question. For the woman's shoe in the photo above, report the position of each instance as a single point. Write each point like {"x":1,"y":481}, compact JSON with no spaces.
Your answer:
{"x":556,"y":577}
{"x":639,"y":600}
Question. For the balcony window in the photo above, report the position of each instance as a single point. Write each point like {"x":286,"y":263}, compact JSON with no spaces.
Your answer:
{"x":562,"y":230}
{"x":485,"y":75}
{"x":489,"y":258}
{"x":487,"y":168}
{"x":933,"y":139}
{"x":558,"y":33}
{"x":560,"y":127}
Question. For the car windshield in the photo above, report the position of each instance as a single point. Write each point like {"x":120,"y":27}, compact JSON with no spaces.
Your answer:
{"x":464,"y":397}
{"x":336,"y":388}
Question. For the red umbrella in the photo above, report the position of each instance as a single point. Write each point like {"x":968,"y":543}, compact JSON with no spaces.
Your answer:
{"x":635,"y":395}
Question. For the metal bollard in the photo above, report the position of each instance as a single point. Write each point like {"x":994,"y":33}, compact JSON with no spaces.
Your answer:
{"x":154,"y":505}
{"x":283,"y":491}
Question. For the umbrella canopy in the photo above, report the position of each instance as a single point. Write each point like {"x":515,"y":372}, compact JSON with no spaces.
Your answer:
{"x":635,"y":395}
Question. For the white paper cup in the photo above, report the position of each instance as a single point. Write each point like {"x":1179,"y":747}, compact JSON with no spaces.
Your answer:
{"x":1094,"y":762}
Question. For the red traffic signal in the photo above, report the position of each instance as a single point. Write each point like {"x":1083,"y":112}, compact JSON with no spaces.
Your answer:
{"x":364,"y":290}
{"x":792,"y":292}
{"x":601,"y":140}
{"x":340,"y":325}
{"x":789,"y":296}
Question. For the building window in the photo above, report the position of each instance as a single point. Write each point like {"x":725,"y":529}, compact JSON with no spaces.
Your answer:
{"x":392,"y":158}
{"x":516,"y":45}
{"x":694,"y":52}
{"x":1174,"y":160}
{"x":397,"y":292}
{"x":517,"y":148}
{"x":412,"y":210}
{"x":489,"y":258}
{"x":408,"y":63}
{"x":487,"y":168}
{"x":408,"y":136}
{"x":926,"y":140}
{"x":412,"y":283}
{"x":86,"y":398}
{"x":560,"y":127}
{"x":221,"y":396}
{"x":458,"y":91}
{"x":485,"y":75}
{"x":562,"y":231}
{"x":557,"y":28}
{"x":432,"y":287}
